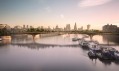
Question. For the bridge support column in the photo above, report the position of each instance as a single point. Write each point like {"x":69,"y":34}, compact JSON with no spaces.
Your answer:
{"x":91,"y":37}
{"x":33,"y":35}
{"x":40,"y":35}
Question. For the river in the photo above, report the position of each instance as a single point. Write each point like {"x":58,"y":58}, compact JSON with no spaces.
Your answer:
{"x":44,"y":56}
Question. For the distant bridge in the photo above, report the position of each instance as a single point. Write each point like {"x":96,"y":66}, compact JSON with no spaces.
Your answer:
{"x":90,"y":34}
{"x":69,"y":32}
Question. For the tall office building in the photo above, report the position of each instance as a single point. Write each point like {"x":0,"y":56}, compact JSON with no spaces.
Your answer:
{"x":27,"y":26}
{"x":75,"y":27}
{"x":24,"y":27}
{"x":88,"y":27}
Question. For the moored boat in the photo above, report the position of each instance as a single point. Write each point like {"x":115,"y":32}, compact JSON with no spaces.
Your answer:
{"x":106,"y":55}
{"x":76,"y":39}
{"x":0,"y":39}
{"x":102,"y":52}
{"x":92,"y":54}
{"x":94,"y":49}
{"x":93,"y":45}
{"x":83,"y":43}
{"x":116,"y":53}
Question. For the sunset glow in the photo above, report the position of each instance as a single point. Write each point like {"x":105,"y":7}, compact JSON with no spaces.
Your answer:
{"x":59,"y":12}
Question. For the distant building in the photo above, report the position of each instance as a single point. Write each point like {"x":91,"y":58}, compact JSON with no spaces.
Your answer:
{"x":42,"y":27}
{"x":58,"y":29}
{"x":49,"y":28}
{"x":110,"y":28}
{"x":68,"y":28}
{"x":31,"y":26}
{"x":88,"y":27}
{"x":27,"y":26}
{"x":5,"y":26}
{"x":80,"y":29}
{"x":24,"y":27}
{"x":75,"y":27}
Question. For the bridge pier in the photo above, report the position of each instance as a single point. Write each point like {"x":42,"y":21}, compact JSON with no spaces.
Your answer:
{"x":40,"y":35}
{"x":33,"y":35}
{"x":91,"y":37}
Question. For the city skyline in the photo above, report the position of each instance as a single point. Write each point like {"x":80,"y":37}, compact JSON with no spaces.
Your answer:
{"x":54,"y":12}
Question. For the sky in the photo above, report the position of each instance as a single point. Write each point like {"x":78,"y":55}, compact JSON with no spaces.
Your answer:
{"x":59,"y":12}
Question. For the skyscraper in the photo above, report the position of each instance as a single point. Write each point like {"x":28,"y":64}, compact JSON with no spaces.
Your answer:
{"x":24,"y":26}
{"x":88,"y":27}
{"x":27,"y":26}
{"x":75,"y":27}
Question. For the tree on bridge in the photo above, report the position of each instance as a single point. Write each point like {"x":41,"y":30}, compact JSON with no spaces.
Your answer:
{"x":38,"y":30}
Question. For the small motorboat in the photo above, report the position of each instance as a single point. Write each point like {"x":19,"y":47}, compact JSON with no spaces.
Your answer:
{"x":76,"y":39}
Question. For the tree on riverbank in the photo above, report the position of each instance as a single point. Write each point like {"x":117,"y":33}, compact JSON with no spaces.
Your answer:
{"x":4,"y":32}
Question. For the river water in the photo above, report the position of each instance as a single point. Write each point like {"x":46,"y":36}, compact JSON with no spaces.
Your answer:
{"x":21,"y":53}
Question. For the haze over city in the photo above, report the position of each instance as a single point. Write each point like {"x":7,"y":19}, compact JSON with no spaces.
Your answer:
{"x":59,"y":12}
{"x":59,"y":35}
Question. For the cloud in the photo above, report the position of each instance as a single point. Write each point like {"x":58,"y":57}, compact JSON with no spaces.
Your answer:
{"x":61,"y":16}
{"x":89,"y":3}
{"x":48,"y":9}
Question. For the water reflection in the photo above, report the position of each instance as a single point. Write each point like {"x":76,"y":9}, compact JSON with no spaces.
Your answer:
{"x":111,"y":38}
{"x":57,"y":53}
{"x":42,"y":46}
{"x":5,"y":40}
{"x":105,"y":62}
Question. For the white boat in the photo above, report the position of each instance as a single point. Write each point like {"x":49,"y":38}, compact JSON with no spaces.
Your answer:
{"x":92,"y":54}
{"x":116,"y":54}
{"x":76,"y":39}
{"x":94,"y":48}
{"x":0,"y":39}
{"x":83,"y":43}
{"x":93,"y":45}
